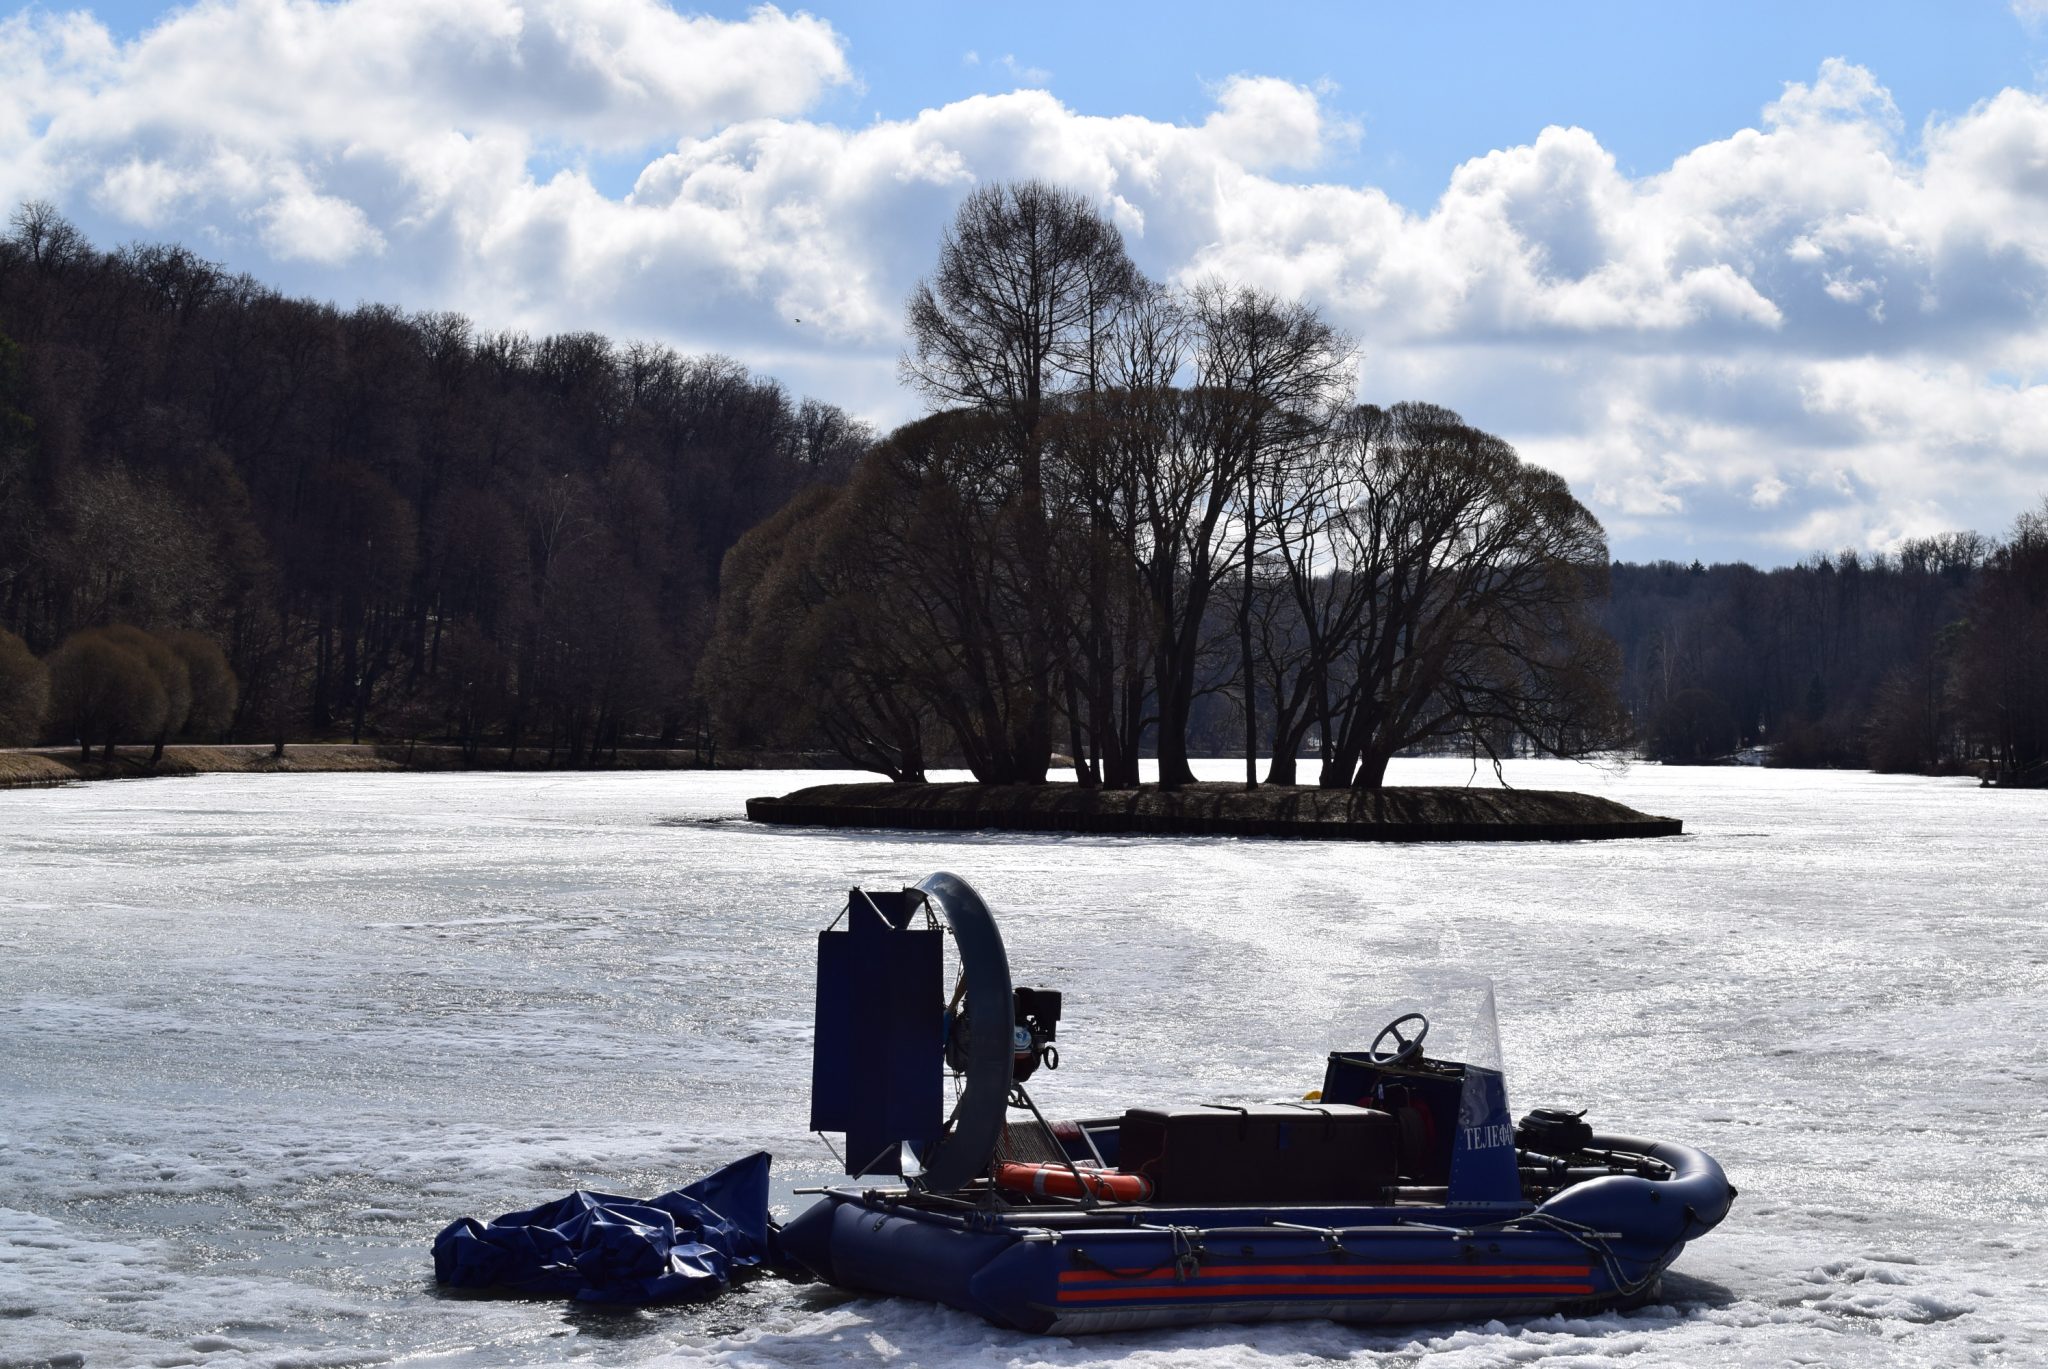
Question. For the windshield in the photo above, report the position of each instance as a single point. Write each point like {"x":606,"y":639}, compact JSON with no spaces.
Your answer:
{"x":1457,"y":1005}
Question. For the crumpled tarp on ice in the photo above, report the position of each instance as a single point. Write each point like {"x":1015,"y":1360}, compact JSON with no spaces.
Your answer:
{"x":598,"y":1247}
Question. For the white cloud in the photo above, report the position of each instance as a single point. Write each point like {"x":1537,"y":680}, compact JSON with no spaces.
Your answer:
{"x":1023,"y":73}
{"x":1790,"y":333}
{"x":1262,"y":122}
{"x":302,"y":225}
{"x":235,"y":108}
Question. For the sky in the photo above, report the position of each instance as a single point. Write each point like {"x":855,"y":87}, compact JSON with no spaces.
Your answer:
{"x":1760,"y":280}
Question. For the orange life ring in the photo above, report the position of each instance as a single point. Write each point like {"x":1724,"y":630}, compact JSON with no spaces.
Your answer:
{"x":1058,"y":1181}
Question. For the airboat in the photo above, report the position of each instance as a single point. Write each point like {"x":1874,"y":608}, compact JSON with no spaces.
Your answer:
{"x":1400,"y":1191}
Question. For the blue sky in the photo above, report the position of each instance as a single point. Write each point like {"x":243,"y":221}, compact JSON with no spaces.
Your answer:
{"x":1759,"y":279}
{"x":1436,"y":84}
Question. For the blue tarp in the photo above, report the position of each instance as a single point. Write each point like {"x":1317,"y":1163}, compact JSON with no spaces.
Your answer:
{"x":598,"y":1247}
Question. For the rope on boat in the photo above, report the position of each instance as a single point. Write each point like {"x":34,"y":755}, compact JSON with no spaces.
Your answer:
{"x":1087,"y":1261}
{"x":1186,"y":1262}
{"x":1591,"y":1241}
{"x":1187,"y":1246}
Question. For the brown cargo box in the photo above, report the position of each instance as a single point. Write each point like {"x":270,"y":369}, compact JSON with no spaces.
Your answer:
{"x":1272,"y":1153}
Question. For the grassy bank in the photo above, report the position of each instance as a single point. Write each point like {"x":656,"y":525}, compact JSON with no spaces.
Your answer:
{"x":19,"y":769}
{"x":1221,"y":809}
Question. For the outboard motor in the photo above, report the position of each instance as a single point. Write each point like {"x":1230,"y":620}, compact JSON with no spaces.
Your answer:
{"x":1037,"y":1019}
{"x":1554,"y":1131}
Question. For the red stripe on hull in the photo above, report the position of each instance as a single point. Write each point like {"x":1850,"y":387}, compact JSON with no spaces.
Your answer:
{"x":1340,"y":1271}
{"x":1332,"y":1290}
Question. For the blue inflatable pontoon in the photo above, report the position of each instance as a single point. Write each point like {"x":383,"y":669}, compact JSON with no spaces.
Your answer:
{"x":1402,"y":1191}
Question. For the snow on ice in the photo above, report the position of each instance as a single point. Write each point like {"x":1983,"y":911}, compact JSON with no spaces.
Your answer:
{"x":261,"y":1036}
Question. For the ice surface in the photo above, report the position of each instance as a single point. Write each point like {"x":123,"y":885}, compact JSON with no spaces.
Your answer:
{"x":261,"y":1036}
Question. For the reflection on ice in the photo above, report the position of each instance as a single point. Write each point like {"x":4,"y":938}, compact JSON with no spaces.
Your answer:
{"x":260,"y":1036}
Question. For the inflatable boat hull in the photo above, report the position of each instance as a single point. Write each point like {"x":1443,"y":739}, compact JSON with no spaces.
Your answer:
{"x":1599,"y":1244}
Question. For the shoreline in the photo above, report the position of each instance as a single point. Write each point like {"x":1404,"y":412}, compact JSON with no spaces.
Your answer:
{"x":1220,"y":808}
{"x":46,"y":768}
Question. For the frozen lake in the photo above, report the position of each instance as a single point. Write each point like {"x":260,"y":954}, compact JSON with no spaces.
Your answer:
{"x":262,"y":1036}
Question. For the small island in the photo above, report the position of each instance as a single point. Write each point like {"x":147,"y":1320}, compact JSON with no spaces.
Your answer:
{"x":1419,"y":813}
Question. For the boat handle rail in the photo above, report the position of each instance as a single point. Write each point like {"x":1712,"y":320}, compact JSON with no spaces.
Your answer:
{"x":1406,"y":1229}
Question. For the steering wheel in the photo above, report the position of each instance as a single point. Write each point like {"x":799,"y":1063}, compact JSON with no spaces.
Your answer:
{"x":1404,"y":1048}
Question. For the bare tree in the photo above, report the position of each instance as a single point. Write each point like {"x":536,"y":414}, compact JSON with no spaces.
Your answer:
{"x":1484,"y":572}
{"x":281,"y":656}
{"x":1162,"y":515}
{"x":1030,"y":276}
{"x":24,"y":692}
{"x":1320,"y":581}
{"x":23,"y":538}
{"x":1693,"y":725}
{"x":1030,"y":281}
{"x":2004,"y":678}
{"x":473,"y":684}
{"x":807,"y":643}
{"x":1098,"y":595}
{"x":956,"y":548}
{"x":214,"y":692}
{"x":44,"y":236}
{"x":172,"y":678}
{"x":103,"y":691}
{"x":1276,"y":374}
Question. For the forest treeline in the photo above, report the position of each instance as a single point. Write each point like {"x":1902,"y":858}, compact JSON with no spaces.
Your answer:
{"x":1138,"y":522}
{"x":390,"y":523}
{"x":1930,"y":658}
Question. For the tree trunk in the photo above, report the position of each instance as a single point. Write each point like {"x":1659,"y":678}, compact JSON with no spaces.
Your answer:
{"x":1342,"y":745}
{"x":349,"y":675}
{"x":1244,"y":630}
{"x":1290,"y":721}
{"x":322,"y":658}
{"x":1173,"y":734}
{"x":1084,"y":768}
{"x":1102,"y":730}
{"x":1176,"y":682}
{"x":1130,"y":731}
